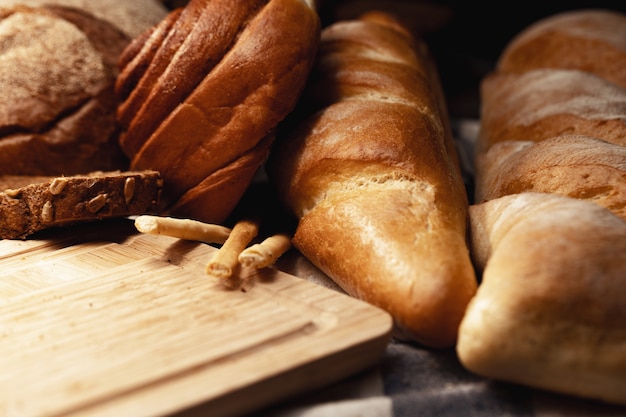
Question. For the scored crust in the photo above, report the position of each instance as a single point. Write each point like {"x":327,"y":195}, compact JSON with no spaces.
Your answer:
{"x":57,"y":72}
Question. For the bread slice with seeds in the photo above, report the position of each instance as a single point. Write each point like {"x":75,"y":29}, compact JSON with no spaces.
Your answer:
{"x":29,"y":204}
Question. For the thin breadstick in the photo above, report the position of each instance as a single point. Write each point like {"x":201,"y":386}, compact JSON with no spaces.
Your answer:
{"x":186,"y":229}
{"x":225,"y":260}
{"x":261,"y":255}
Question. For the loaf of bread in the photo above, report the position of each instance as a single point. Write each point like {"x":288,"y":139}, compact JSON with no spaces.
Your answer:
{"x":548,"y":235}
{"x":550,"y":310}
{"x":57,"y":75}
{"x":30,"y":204}
{"x":368,"y":166}
{"x":131,"y":17}
{"x":202,"y":92}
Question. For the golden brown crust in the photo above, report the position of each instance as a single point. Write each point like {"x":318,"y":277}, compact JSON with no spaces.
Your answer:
{"x":580,"y":167}
{"x":381,"y":204}
{"x":539,"y":104}
{"x":230,"y":94}
{"x":590,"y":40}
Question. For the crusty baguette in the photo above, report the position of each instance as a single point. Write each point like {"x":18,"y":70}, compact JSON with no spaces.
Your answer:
{"x":590,"y":40}
{"x":202,"y":92}
{"x":575,"y":166}
{"x":374,"y":180}
{"x":550,"y":310}
{"x":29,"y":204}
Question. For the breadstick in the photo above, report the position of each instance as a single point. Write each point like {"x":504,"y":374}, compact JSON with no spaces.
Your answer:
{"x":225,"y":260}
{"x":182,"y":228}
{"x":265,"y":253}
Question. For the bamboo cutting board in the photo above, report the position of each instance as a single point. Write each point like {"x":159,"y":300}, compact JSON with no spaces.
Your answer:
{"x":100,"y":320}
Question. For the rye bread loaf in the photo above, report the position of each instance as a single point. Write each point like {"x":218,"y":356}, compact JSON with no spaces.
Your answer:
{"x":130,"y":16}
{"x":29,"y":204}
{"x":368,"y":166}
{"x":238,"y":69}
{"x":57,"y":75}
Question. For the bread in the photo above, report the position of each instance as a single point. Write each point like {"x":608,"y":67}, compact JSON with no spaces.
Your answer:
{"x":580,"y":167}
{"x":548,"y":235}
{"x":539,"y":104}
{"x":57,"y":74}
{"x":574,"y":103}
{"x":131,"y":17}
{"x":589,"y":40}
{"x":550,"y":311}
{"x":368,"y":167}
{"x":30,"y":204}
{"x":239,"y":69}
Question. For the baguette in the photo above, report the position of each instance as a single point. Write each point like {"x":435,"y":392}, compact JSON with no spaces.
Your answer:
{"x":548,"y":231}
{"x":238,"y":69}
{"x":370,"y":171}
{"x":550,"y":311}
{"x":573,"y":103}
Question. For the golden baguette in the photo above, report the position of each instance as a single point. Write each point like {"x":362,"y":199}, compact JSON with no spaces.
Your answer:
{"x":372,"y":175}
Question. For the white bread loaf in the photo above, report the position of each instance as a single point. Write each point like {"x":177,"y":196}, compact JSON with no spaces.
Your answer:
{"x":371,"y":173}
{"x":550,"y":310}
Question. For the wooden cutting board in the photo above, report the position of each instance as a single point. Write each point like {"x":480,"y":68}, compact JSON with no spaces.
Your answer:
{"x":100,"y":320}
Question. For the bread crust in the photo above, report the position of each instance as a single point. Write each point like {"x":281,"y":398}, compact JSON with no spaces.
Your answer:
{"x":370,"y":174}
{"x":543,"y":103}
{"x":580,"y":167}
{"x":131,"y":17}
{"x":589,"y":40}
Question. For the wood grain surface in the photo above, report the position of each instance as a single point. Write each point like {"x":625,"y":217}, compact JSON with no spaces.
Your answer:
{"x":100,"y":320}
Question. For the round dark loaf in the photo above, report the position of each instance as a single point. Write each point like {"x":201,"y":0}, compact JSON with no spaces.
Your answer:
{"x":57,"y":75}
{"x":132,"y":17}
{"x":202,"y":92}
